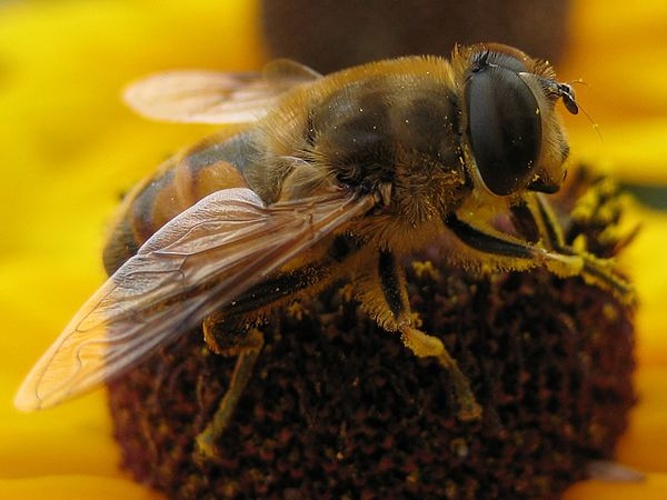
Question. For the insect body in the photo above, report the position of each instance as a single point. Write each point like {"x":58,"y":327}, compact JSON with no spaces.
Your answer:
{"x":324,"y":178}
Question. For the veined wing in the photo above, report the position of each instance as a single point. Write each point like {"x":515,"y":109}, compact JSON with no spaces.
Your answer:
{"x":194,"y":265}
{"x":215,"y":97}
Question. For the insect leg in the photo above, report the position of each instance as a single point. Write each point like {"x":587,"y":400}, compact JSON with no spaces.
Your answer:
{"x":227,"y":332}
{"x":596,"y":271}
{"x":383,"y":296}
{"x":506,"y":252}
{"x":424,"y":345}
{"x":247,"y":345}
{"x":500,"y":251}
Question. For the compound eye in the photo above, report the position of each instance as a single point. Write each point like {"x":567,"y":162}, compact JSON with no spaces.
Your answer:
{"x":504,"y":123}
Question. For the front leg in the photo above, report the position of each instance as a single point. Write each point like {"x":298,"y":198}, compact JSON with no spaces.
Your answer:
{"x":496,"y":251}
{"x":596,"y":271}
{"x":383,"y":296}
{"x":535,"y":219}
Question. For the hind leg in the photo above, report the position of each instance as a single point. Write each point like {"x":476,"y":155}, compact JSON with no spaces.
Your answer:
{"x":246,"y":344}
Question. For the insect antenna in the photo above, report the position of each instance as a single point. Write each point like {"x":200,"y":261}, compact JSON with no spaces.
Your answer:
{"x":566,"y":92}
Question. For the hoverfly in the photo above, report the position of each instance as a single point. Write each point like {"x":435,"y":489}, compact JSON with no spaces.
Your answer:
{"x":324,"y":178}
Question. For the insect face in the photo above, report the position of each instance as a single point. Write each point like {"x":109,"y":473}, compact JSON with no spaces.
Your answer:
{"x":516,"y":140}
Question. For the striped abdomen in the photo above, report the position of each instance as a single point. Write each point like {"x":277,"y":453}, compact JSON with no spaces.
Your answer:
{"x":183,"y":180}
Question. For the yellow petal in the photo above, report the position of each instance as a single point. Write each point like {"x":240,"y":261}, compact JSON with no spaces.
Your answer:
{"x":75,"y":487}
{"x":642,"y":445}
{"x":653,"y":488}
{"x":617,"y":49}
{"x":649,"y":270}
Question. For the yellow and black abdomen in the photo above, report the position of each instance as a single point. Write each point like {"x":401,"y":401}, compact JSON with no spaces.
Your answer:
{"x":214,"y":164}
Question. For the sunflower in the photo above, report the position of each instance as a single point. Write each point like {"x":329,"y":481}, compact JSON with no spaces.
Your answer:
{"x":70,"y":150}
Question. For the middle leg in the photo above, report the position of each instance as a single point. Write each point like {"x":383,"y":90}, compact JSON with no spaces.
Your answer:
{"x":382,"y":292}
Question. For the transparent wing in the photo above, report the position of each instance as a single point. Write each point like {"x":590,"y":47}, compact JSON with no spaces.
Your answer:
{"x":195,"y":264}
{"x":212,"y":97}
